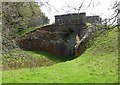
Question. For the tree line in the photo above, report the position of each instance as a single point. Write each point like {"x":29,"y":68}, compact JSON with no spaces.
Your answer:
{"x":17,"y":16}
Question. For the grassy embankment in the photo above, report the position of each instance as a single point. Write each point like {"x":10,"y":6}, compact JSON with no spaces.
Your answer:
{"x":99,"y":63}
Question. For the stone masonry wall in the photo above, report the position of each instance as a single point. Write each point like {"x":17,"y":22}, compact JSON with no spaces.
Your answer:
{"x":70,"y":19}
{"x":94,"y":19}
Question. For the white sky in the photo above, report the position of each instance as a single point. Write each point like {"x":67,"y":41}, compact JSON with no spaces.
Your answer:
{"x":97,"y":7}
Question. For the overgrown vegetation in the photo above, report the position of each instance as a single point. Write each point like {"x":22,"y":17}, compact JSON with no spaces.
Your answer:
{"x":17,"y":59}
{"x":27,"y":30}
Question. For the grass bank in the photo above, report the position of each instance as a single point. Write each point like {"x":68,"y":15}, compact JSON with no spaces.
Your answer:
{"x":98,"y":64}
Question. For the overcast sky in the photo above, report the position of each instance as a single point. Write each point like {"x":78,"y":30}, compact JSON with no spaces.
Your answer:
{"x":59,"y":7}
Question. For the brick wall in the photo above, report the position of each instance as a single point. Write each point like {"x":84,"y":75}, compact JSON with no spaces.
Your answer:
{"x":58,"y":39}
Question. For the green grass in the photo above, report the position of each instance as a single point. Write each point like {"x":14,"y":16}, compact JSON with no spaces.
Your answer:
{"x":98,"y":64}
{"x":27,"y":30}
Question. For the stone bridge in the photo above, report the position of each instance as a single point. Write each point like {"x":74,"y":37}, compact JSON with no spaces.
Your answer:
{"x":67,"y":37}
